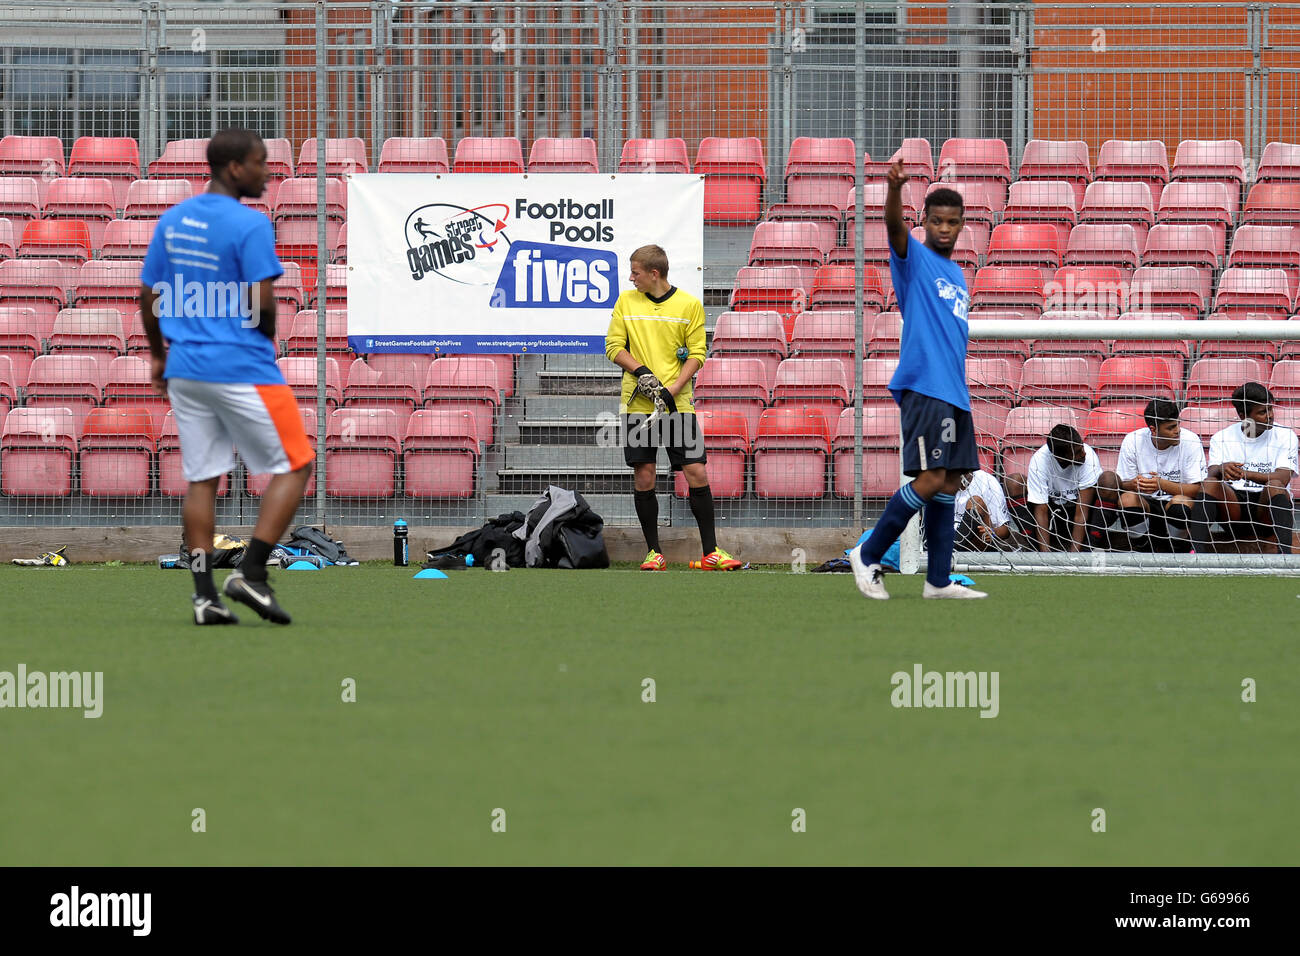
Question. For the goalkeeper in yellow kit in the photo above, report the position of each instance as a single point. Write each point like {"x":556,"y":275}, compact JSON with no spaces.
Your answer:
{"x":656,"y":336}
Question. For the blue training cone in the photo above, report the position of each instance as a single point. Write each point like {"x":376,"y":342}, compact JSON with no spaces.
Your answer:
{"x":428,"y":574}
{"x":302,"y":566}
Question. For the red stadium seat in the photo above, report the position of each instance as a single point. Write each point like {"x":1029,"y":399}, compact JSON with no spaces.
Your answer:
{"x":1060,"y":380}
{"x":770,"y":289}
{"x":885,"y":337}
{"x":1091,"y":351}
{"x":1145,"y":161}
{"x":1267,"y":291}
{"x":1025,"y":244}
{"x":90,"y":200}
{"x":1280,"y":162}
{"x":279,"y":166}
{"x":881,"y":464}
{"x":109,"y":284}
{"x":402,"y":368}
{"x":19,"y":198}
{"x":372,"y":388}
{"x":993,"y":379}
{"x":983,"y":161}
{"x":440,"y":454}
{"x":825,"y":333}
{"x":129,"y":383}
{"x":726,"y":440}
{"x":833,"y":288}
{"x":117,"y":449}
{"x":820,"y":384}
{"x":404,"y":154}
{"x":820,"y":171}
{"x":1103,"y":244}
{"x":342,"y":157}
{"x":296,"y":199}
{"x":466,"y":383}
{"x":1129,"y":202}
{"x":1101,"y":289}
{"x":89,"y":331}
{"x":1050,"y":201}
{"x":740,"y":384}
{"x":734,"y":173}
{"x":1200,"y":202}
{"x":127,"y":239}
{"x":1182,"y":244}
{"x":1284,"y":382}
{"x":149,"y":199}
{"x":37,"y":449}
{"x":184,"y":159}
{"x":336,"y":287}
{"x":759,"y":335}
{"x":1183,"y":289}
{"x":488,"y":154}
{"x":1106,"y":426}
{"x":302,"y":337}
{"x":790,"y":453}
{"x":550,"y":155}
{"x":115,"y":158}
{"x":918,"y":161}
{"x":67,"y":240}
{"x":362,"y":446}
{"x":69,"y":381}
{"x":1267,"y":247}
{"x":1222,"y":161}
{"x":1174,"y":353}
{"x":1273,"y":204}
{"x":289,"y":293}
{"x":1127,"y":379}
{"x":37,"y":284}
{"x":876,"y":373}
{"x":802,"y":245}
{"x":1205,"y":420}
{"x":300,"y":375}
{"x":22,"y":337}
{"x":8,"y":243}
{"x":1213,"y":380}
{"x":38,"y":157}
{"x":1013,"y":287}
{"x":654,"y":156}
{"x":873,"y":206}
{"x":983,"y":200}
{"x":1061,"y":161}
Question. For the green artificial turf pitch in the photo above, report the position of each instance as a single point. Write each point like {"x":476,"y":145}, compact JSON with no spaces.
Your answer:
{"x":523,"y":691}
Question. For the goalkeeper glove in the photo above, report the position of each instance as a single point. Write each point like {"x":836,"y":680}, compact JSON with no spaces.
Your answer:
{"x":646,"y":383}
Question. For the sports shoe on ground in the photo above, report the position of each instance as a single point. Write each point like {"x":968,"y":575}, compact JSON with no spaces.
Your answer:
{"x":719,"y":560}
{"x":654,"y":561}
{"x":870,"y":578}
{"x":257,"y":595}
{"x":208,"y":611}
{"x":953,"y":590}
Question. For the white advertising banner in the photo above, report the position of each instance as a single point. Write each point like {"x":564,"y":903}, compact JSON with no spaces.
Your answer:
{"x":497,"y":263}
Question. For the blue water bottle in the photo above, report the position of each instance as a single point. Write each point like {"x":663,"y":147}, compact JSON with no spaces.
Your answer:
{"x":401,"y":547}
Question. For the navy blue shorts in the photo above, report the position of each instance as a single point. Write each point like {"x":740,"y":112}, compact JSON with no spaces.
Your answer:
{"x":936,"y":435}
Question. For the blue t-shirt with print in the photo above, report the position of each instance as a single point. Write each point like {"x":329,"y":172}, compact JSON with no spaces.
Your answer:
{"x":932,"y":297}
{"x":206,"y":254}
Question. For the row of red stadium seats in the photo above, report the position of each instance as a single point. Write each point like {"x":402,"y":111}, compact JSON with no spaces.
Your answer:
{"x":124,"y":452}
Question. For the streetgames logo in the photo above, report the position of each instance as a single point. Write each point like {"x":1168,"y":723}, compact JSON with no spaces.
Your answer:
{"x":953,"y":294}
{"x":461,"y":244}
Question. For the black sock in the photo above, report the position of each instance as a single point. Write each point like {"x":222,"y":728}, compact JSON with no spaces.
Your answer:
{"x":1132,"y":516}
{"x":1203,"y":512}
{"x":702,"y":508}
{"x":1279,"y":507}
{"x":202,"y":572}
{"x":254,"y":563}
{"x":1177,"y":515}
{"x":647,"y":512}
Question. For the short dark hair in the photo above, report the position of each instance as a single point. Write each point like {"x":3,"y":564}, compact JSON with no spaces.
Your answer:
{"x":1061,"y":439}
{"x":943,"y":196}
{"x":1250,"y":393}
{"x":1160,"y":410}
{"x":231,"y":145}
{"x":651,"y":258}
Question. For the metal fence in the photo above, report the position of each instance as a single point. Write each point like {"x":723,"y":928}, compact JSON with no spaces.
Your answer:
{"x":611,"y":71}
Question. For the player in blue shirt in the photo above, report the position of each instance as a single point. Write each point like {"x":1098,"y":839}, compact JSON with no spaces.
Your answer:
{"x":929,"y":386}
{"x":207,"y":301}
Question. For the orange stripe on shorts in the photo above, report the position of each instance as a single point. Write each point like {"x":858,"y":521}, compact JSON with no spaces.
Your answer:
{"x":283,"y":409}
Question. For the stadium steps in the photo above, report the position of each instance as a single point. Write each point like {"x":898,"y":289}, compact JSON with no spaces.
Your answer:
{"x":579,"y":375}
{"x":726,"y":251}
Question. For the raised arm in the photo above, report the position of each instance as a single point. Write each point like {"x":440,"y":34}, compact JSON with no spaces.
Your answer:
{"x":895,"y":225}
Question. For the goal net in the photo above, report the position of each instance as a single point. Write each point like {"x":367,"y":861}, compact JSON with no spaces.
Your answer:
{"x":1142,"y":441}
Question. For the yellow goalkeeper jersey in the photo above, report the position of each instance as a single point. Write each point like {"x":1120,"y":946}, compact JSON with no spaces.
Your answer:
{"x":653,"y":332}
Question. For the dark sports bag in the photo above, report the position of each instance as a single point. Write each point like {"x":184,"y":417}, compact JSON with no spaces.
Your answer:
{"x":498,"y":533}
{"x":320,"y":544}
